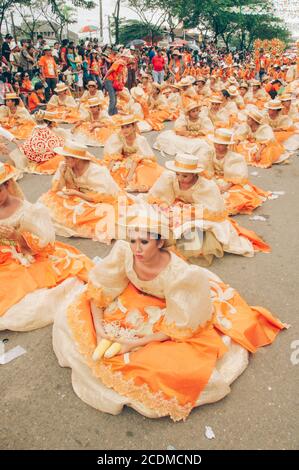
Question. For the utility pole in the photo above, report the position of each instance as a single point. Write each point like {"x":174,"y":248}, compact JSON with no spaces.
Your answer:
{"x":101,"y":20}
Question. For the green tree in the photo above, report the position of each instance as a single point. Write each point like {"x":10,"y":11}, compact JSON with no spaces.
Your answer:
{"x":5,"y":7}
{"x":134,"y":29}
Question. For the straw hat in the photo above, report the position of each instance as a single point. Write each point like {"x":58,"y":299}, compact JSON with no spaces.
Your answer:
{"x":216,"y":99}
{"x":186,"y":81}
{"x":92,"y":102}
{"x":274,"y":104}
{"x":91,"y":83}
{"x":184,"y":163}
{"x":11,"y":96}
{"x":264,"y":78}
{"x":146,"y":219}
{"x":232,"y":90}
{"x":286,"y":97}
{"x":256,"y":115}
{"x":137,"y":92}
{"x":126,"y":120}
{"x":232,"y":81}
{"x":72,"y":149}
{"x":200,"y":79}
{"x":244,"y":85}
{"x":176,"y":52}
{"x":60,"y":87}
{"x":7,"y":172}
{"x":223,"y":136}
{"x":191,"y":105}
{"x":255,"y":82}
{"x":157,"y":86}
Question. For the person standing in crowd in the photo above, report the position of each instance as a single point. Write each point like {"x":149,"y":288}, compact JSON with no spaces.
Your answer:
{"x":6,"y":55}
{"x":26,"y":60}
{"x":158,"y":63}
{"x":49,"y":71}
{"x":14,"y":59}
{"x":115,"y":80}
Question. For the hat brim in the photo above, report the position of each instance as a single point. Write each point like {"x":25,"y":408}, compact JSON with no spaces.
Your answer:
{"x":60,"y":151}
{"x":218,"y":141}
{"x":170,"y":165}
{"x":57,"y":90}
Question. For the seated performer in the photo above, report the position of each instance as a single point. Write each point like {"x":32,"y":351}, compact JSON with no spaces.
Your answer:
{"x":197,"y":212}
{"x":37,"y":154}
{"x":257,"y":141}
{"x":37,"y":276}
{"x":83,"y":199}
{"x":189,"y":134}
{"x":155,"y":333}
{"x":130,"y":159}
{"x":231,"y":174}
{"x":15,"y":118}
{"x":64,"y":104}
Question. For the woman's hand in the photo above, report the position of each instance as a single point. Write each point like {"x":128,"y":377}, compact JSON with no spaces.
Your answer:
{"x":8,"y":233}
{"x":71,"y":192}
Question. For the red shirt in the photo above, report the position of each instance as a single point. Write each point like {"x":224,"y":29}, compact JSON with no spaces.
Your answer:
{"x":158,"y":63}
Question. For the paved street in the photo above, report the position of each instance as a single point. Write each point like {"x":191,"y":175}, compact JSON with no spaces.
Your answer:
{"x":39,"y":409}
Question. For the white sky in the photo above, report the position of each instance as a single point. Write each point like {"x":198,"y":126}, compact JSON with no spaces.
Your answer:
{"x":86,"y":17}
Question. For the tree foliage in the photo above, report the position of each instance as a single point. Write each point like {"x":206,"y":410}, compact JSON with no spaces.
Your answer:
{"x":233,"y":21}
{"x":134,"y":29}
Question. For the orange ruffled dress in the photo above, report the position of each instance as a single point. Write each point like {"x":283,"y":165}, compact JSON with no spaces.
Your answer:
{"x":44,"y":278}
{"x":210,"y":327}
{"x":243,"y":197}
{"x":119,"y":157}
{"x":75,"y":217}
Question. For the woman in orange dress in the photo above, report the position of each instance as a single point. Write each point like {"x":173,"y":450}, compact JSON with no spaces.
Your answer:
{"x":130,"y":159}
{"x":286,"y":133}
{"x":37,"y":154}
{"x":257,"y":142}
{"x":155,"y":333}
{"x":158,"y":111}
{"x":196,"y":210}
{"x":188,"y":135}
{"x":38,"y":276}
{"x":231,"y":174}
{"x":95,"y":125}
{"x":84,"y":199}
{"x":15,"y":117}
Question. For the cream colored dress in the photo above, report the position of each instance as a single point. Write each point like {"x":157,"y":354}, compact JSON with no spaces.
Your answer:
{"x":38,"y":307}
{"x":188,"y":292}
{"x":170,"y":143}
{"x":210,"y":216}
{"x":75,"y":217}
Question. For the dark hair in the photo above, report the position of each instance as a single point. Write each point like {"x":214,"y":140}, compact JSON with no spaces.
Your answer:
{"x":15,"y":100}
{"x":225,"y":93}
{"x":38,"y":86}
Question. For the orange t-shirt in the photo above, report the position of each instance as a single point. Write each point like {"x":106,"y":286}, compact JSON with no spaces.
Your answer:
{"x":33,"y":101}
{"x":117,"y":71}
{"x":48,"y":65}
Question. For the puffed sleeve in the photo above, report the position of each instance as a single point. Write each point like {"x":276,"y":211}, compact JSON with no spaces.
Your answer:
{"x":207,"y":125}
{"x":144,"y":147}
{"x":36,"y":227}
{"x":6,"y":134}
{"x":188,"y":302}
{"x":113,"y":145}
{"x":206,"y":195}
{"x":285,"y":122}
{"x":163,"y":190}
{"x":235,"y":168}
{"x":99,"y":180}
{"x":242,"y":132}
{"x":264,"y":134}
{"x":180,"y":123}
{"x":3,"y":113}
{"x":108,"y":279}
